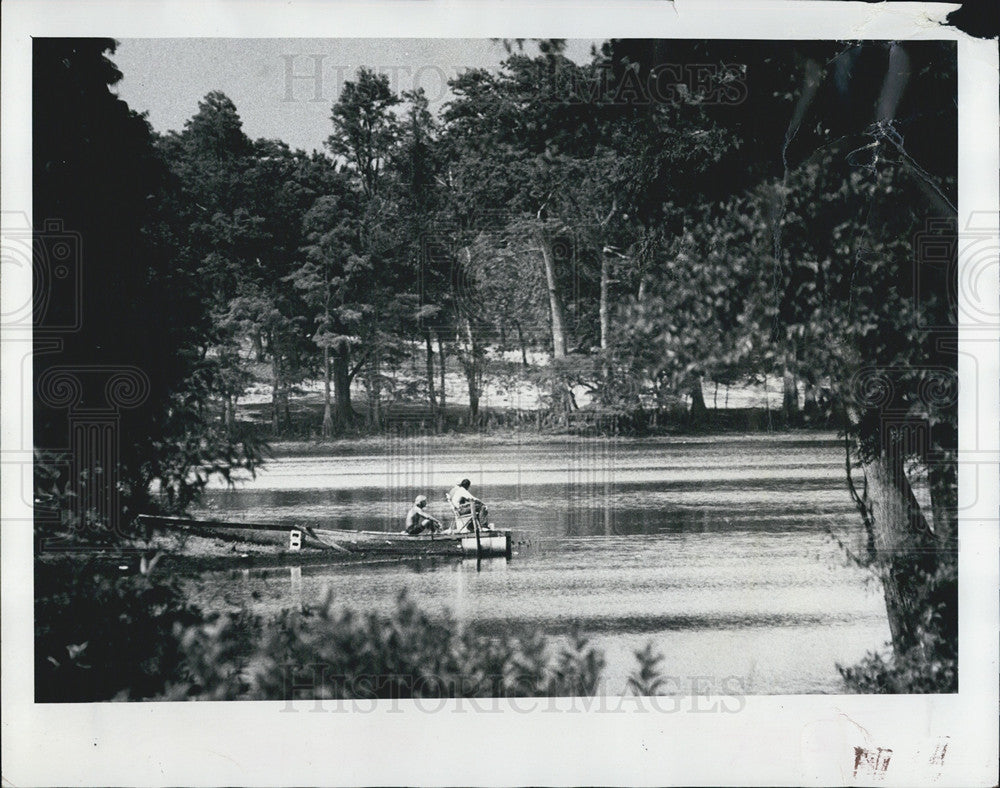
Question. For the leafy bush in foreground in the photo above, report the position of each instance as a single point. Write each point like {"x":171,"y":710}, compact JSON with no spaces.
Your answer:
{"x":100,"y":636}
{"x":326,"y":652}
{"x":911,"y":673}
{"x":103,"y":637}
{"x":931,"y":663}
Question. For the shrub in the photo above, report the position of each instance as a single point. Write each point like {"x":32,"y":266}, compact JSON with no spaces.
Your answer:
{"x":325,"y":652}
{"x":931,"y":663}
{"x":907,"y":674}
{"x":648,"y":679}
{"x":101,"y":637}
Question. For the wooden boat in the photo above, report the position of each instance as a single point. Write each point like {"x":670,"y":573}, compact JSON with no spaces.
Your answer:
{"x":291,"y":538}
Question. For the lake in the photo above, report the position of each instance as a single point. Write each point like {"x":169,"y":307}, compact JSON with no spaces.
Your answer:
{"x":720,"y":550}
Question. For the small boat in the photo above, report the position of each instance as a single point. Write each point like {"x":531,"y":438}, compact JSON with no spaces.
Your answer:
{"x":489,"y":542}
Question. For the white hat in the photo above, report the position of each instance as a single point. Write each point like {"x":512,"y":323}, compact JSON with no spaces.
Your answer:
{"x":420,"y":499}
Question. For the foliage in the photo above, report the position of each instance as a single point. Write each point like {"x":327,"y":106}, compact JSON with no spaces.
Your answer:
{"x":931,"y":663}
{"x":648,"y":679}
{"x":330,"y":652}
{"x":911,"y":672}
{"x":102,"y":635}
{"x":98,"y":169}
{"x":242,"y":225}
{"x":99,"y":636}
{"x":365,"y":127}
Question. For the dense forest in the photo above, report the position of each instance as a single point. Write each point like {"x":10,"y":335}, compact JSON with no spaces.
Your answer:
{"x":620,"y":234}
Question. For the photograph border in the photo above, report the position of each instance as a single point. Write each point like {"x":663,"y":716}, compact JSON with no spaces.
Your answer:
{"x":772,"y":740}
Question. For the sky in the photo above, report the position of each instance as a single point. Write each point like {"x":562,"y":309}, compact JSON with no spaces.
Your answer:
{"x":273,"y":81}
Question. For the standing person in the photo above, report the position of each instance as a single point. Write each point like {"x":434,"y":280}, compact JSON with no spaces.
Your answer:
{"x":462,"y":502}
{"x":417,"y":519}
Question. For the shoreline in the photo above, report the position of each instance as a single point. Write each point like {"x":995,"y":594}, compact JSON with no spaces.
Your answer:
{"x":191,"y":555}
{"x":375,"y":444}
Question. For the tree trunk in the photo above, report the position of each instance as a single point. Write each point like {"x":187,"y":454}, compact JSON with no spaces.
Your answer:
{"x":327,"y":412}
{"x":603,"y":308}
{"x":472,"y":373}
{"x":275,"y":388}
{"x":258,"y":347}
{"x":810,"y":406}
{"x":903,"y":548}
{"x":767,"y":405}
{"x":560,"y":394}
{"x":698,"y":408}
{"x":473,"y":399}
{"x":376,"y":395}
{"x":790,"y":397}
{"x":344,"y":413}
{"x":661,"y":396}
{"x":441,"y":365}
{"x":432,"y":398}
{"x":520,"y":342}
{"x":555,"y":302}
{"x":229,"y":414}
{"x":943,"y":480}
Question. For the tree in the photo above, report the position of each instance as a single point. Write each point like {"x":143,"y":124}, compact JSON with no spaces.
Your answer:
{"x":691,"y":323}
{"x":365,"y":137}
{"x":834,"y":191}
{"x":417,"y":164}
{"x":221,"y":235}
{"x":320,"y":279}
{"x":841,"y":279}
{"x":243,"y":221}
{"x":508,"y":173}
{"x":365,"y":128}
{"x":894,"y":374}
{"x":96,"y":167}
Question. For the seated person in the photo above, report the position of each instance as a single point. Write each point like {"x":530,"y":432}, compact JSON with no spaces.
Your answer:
{"x":417,"y":519}
{"x":468,"y":508}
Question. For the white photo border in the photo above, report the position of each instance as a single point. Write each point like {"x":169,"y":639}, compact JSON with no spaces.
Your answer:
{"x":771,"y":740}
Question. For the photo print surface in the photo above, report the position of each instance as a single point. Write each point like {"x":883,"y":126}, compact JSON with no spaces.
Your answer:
{"x":680,"y":312}
{"x":446,"y":406}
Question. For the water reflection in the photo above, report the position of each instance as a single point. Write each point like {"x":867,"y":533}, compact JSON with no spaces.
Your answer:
{"x":484,"y":564}
{"x":560,"y":511}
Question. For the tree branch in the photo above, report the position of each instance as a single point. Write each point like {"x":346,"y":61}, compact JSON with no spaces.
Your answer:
{"x":359,"y":365}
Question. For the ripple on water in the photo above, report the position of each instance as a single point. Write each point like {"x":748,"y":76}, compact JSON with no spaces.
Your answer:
{"x":716,"y":551}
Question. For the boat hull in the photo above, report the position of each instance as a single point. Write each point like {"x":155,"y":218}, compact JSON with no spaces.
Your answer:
{"x":491,"y":543}
{"x":292,"y":539}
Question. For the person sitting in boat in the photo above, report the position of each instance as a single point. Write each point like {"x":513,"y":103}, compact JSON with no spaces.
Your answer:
{"x":467,"y":507}
{"x":418,"y":519}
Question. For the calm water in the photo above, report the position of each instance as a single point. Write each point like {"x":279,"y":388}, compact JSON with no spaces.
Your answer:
{"x":718,"y":550}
